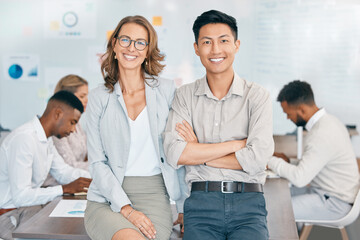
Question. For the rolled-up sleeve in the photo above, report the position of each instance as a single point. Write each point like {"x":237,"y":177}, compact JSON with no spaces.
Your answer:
{"x":101,"y":172}
{"x":260,"y":143}
{"x":174,"y":145}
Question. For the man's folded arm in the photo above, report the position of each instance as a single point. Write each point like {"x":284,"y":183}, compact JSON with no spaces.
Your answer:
{"x":227,"y":162}
{"x":178,"y":151}
{"x":260,"y":143}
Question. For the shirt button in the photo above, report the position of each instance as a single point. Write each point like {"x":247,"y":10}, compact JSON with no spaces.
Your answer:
{"x":216,"y":124}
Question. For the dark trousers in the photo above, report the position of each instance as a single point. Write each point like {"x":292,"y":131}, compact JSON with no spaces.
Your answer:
{"x":227,"y":216}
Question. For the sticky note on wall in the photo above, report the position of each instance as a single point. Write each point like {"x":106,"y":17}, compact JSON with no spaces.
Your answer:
{"x":157,"y":21}
{"x":54,"y":25}
{"x":108,"y":34}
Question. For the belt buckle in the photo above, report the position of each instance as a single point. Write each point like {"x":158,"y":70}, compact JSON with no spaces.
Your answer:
{"x":223,"y":186}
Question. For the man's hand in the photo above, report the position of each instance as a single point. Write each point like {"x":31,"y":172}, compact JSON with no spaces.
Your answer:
{"x":79,"y":185}
{"x":283,"y":156}
{"x":180,"y":220}
{"x":186,"y":132}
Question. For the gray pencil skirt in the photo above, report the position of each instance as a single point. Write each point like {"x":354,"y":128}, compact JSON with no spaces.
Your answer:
{"x":147,"y":195}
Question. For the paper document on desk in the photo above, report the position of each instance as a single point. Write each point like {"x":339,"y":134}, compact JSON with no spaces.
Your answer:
{"x":69,"y":208}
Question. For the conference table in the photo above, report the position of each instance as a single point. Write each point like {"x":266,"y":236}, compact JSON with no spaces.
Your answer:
{"x":281,"y":221}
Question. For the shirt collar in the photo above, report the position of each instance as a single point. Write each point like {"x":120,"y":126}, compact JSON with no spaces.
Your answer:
{"x":315,"y":118}
{"x":237,"y":87}
{"x":40,"y":132}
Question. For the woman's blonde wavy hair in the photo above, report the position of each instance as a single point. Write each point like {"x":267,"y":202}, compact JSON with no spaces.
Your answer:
{"x":151,"y":65}
{"x":70,"y":83}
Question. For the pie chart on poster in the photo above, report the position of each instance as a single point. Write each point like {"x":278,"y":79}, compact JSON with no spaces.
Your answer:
{"x":15,"y":71}
{"x":70,"y":19}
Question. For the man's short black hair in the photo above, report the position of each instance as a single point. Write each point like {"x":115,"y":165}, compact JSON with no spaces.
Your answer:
{"x":297,"y":92}
{"x":214,"y":16}
{"x":69,"y":99}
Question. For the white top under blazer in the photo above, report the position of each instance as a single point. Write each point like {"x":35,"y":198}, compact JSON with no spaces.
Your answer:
{"x":142,"y":149}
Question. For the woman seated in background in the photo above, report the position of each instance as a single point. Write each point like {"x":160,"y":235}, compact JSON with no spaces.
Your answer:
{"x":129,"y":194}
{"x":73,"y":147}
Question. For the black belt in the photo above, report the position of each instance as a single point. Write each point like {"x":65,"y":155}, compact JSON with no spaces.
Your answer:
{"x":226,"y":187}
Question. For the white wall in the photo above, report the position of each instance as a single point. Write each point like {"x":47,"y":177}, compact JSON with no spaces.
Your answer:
{"x":317,"y":41}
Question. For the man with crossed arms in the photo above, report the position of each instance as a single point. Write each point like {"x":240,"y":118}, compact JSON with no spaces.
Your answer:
{"x":220,"y":128}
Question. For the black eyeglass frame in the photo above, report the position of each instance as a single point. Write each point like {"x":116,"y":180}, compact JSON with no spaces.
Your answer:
{"x":130,"y":41}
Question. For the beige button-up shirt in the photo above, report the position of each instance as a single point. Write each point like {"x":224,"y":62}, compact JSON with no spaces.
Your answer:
{"x":245,"y":112}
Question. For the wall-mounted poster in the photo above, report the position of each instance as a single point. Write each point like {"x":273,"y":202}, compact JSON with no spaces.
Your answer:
{"x":70,"y":19}
{"x":21,"y":67}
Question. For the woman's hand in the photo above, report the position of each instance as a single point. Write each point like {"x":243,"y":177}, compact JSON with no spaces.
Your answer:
{"x":186,"y":132}
{"x":139,"y":220}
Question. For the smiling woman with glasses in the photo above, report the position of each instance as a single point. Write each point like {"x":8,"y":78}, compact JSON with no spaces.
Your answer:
{"x":145,"y":50}
{"x":132,"y":181}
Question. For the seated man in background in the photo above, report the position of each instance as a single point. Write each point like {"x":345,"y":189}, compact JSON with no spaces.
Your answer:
{"x":327,"y":177}
{"x":28,"y":154}
{"x":72,"y":148}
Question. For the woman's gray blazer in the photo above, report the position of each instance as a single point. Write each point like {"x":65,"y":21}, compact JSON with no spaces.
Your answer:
{"x":108,"y":139}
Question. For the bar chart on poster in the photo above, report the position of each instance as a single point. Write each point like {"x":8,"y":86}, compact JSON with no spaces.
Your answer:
{"x":283,"y":40}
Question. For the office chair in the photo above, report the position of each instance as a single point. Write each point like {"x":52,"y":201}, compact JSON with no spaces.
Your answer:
{"x":339,"y":223}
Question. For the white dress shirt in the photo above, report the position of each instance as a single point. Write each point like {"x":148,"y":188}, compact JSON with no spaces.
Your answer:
{"x":26,"y":157}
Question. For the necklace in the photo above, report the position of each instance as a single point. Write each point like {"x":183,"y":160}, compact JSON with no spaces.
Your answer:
{"x":130,"y":92}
